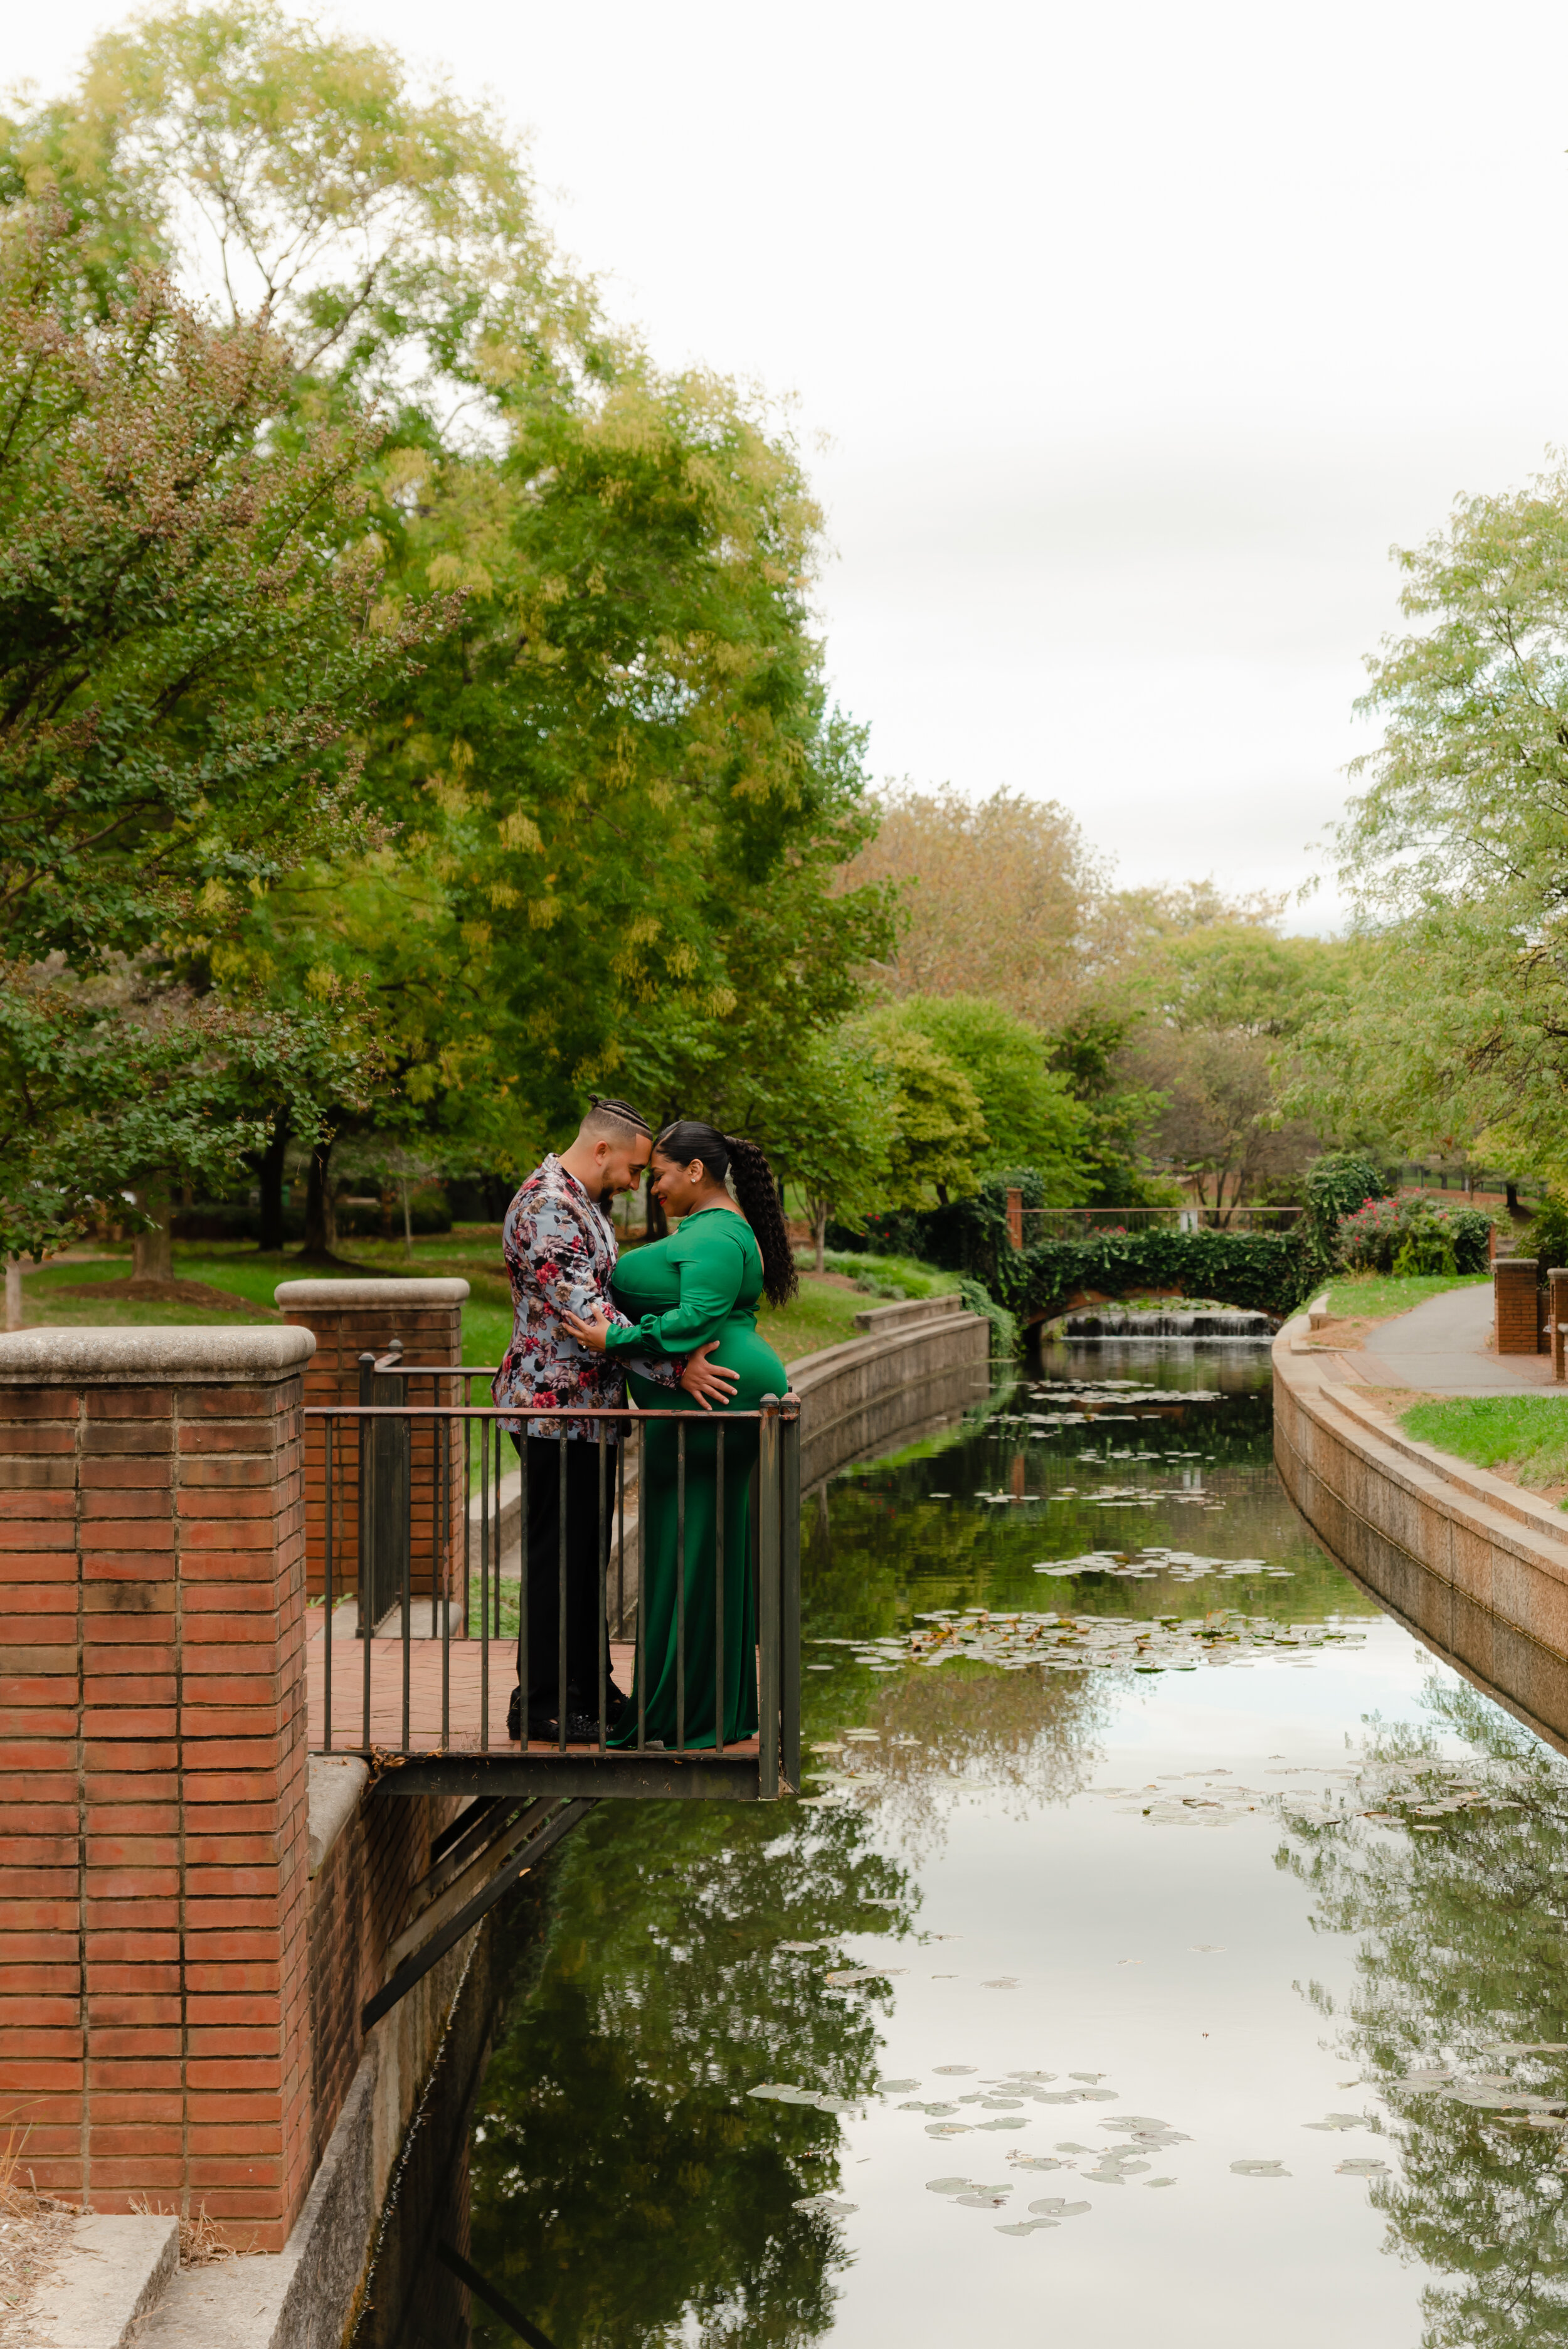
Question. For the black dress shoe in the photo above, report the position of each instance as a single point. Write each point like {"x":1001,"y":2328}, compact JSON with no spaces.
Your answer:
{"x":540,"y":1725}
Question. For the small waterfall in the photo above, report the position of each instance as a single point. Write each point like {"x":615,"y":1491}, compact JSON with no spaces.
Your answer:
{"x":1101,"y":1322}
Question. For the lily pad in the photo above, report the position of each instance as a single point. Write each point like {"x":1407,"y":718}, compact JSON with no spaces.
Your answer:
{"x":1056,"y":2206}
{"x":784,"y":2095}
{"x":947,"y":2128}
{"x":848,"y":1974}
{"x":1361,"y":2169}
{"x":1338,"y":2121}
{"x":954,"y":2070}
{"x":827,"y":2204}
{"x":1026,"y":2226}
{"x":949,"y":2186}
{"x":895,"y":2087}
{"x":1259,"y":2170}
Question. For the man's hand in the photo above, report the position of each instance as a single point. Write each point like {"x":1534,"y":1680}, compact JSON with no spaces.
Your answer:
{"x":705,"y":1382}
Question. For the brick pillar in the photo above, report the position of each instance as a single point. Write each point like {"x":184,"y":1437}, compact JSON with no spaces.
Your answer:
{"x":351,"y":1318}
{"x":1515,"y":1309}
{"x":152,"y":1942}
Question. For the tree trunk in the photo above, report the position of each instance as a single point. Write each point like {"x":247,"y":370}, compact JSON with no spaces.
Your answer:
{"x":659,"y":1223}
{"x":12,"y":1292}
{"x":320,"y":1219}
{"x":152,"y":1252}
{"x":408,"y":1218}
{"x":820,"y":1220}
{"x":269,"y":1166}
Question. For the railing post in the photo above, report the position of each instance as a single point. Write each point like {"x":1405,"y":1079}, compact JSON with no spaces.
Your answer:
{"x":1557,"y":1315}
{"x":789,"y":1588}
{"x":1016,"y":1218}
{"x":770,"y":1533}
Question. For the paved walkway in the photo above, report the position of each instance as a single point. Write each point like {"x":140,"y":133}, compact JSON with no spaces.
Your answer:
{"x":1442,"y":1345}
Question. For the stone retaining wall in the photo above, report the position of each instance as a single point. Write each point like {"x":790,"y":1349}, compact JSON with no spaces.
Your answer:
{"x":914,"y":1366}
{"x":1476,"y":1567}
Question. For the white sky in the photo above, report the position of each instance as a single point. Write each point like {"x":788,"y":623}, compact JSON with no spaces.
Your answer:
{"x":1139,"y":333}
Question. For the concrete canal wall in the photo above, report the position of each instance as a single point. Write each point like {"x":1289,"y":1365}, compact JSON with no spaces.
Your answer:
{"x":197,"y":1907}
{"x":1476,"y":1567}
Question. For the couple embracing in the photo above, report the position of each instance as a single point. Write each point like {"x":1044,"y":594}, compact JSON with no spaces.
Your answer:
{"x":676,"y":1322}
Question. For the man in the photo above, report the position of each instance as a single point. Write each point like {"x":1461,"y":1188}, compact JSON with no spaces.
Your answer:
{"x":560,"y":1248}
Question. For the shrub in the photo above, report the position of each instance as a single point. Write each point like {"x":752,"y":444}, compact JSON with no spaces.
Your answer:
{"x":1548,"y":1235}
{"x":1262,"y":1272}
{"x":1413,"y":1234}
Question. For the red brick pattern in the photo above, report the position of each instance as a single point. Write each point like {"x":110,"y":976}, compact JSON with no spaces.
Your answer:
{"x":153,"y":1982}
{"x":1516,"y":1305}
{"x":430,"y":1332}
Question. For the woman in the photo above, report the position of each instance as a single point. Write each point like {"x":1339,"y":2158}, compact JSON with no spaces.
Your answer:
{"x":702,"y":1283}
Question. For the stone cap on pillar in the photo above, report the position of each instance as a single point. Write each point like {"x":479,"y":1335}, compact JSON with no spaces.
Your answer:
{"x":311,"y":1296}
{"x":151,"y":1356}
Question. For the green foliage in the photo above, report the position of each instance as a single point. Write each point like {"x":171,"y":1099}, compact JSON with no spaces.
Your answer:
{"x":610,"y":810}
{"x":1547,"y":1237}
{"x":1090,"y":1053}
{"x":1414,"y":1233}
{"x":182,"y":654}
{"x":1257,"y":1270}
{"x":1005,"y":1334}
{"x":1337,"y":1184}
{"x":939,"y":1132}
{"x":1455,"y":1016}
{"x":1028,"y":1108}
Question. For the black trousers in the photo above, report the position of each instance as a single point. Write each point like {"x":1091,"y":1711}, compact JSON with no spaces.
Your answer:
{"x":587,"y":1551}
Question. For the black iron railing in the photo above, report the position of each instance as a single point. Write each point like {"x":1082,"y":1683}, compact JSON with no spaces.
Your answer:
{"x":425,"y":1540}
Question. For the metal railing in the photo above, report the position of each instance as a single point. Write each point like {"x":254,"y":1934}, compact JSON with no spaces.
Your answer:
{"x":423,"y":1542}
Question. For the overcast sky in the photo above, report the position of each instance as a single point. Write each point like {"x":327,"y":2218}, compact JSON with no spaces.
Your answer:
{"x":1139,"y":335}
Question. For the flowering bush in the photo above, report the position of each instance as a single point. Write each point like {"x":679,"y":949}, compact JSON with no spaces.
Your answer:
{"x":1413,"y":1234}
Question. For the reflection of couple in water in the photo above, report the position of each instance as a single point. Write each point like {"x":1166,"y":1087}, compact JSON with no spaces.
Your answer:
{"x":675,"y":1320}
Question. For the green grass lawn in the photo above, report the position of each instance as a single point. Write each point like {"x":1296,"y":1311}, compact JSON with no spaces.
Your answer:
{"x":1525,"y":1434}
{"x":1374,"y":1296}
{"x":822,"y":1315}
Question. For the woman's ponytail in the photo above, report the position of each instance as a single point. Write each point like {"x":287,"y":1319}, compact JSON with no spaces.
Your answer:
{"x":756,"y":1194}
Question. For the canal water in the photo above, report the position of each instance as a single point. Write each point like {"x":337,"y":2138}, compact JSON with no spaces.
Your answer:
{"x":1167,"y":1947}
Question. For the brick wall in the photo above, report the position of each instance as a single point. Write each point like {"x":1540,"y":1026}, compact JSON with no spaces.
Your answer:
{"x":153,"y":1979}
{"x":348,"y":1320}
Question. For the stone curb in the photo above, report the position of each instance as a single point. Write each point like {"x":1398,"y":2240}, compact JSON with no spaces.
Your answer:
{"x":113,"y":2272}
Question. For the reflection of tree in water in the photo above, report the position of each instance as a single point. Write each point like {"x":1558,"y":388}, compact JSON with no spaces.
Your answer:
{"x":627,"y":2192}
{"x":1025,"y":1734}
{"x":1462,"y":1948}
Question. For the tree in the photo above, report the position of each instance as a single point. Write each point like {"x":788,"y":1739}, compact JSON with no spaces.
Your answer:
{"x":185,"y":641}
{"x":1028,"y":1109}
{"x":615,"y":801}
{"x":1223,"y":1004}
{"x":834,"y":1134}
{"x":999,"y":897}
{"x":1455,"y":1025}
{"x":939,"y":1132}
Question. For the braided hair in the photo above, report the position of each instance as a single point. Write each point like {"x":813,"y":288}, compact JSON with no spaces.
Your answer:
{"x":732,"y":1157}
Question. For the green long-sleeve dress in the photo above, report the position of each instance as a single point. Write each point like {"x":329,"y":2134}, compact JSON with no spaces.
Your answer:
{"x":701,"y":1283}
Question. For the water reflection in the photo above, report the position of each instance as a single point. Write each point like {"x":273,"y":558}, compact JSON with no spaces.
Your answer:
{"x":999,"y":1899}
{"x":625,"y":2186}
{"x":1459,"y":1896}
